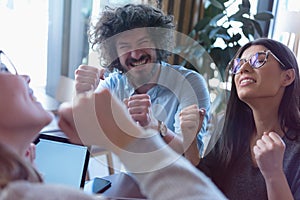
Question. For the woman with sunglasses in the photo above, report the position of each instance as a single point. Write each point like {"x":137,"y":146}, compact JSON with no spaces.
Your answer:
{"x":258,"y":153}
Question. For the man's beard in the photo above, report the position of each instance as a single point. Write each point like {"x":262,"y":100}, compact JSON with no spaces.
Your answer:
{"x":145,"y":78}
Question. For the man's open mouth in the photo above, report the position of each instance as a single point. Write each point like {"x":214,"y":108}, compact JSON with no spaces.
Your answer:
{"x":135,"y":63}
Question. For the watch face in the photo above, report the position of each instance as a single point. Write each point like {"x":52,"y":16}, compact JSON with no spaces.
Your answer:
{"x":163,"y":129}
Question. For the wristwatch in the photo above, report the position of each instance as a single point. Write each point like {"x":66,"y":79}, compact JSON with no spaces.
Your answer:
{"x":162,"y":129}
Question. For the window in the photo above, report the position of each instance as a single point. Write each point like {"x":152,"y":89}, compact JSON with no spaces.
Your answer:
{"x":285,"y":29}
{"x":67,"y":41}
{"x":24,"y":30}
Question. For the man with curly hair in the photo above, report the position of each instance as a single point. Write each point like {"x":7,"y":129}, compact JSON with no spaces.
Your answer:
{"x":134,"y":43}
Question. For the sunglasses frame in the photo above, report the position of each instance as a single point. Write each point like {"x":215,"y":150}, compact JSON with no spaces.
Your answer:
{"x":236,"y":68}
{"x":3,"y":67}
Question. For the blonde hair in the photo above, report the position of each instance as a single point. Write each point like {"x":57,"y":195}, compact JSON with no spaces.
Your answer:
{"x":13,"y":167}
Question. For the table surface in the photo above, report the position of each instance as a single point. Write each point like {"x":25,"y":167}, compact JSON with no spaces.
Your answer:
{"x":123,"y":186}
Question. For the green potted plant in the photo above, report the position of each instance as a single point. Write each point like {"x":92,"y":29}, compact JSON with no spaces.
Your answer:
{"x":221,"y":33}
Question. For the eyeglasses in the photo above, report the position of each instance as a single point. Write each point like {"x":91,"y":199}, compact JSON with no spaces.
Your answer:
{"x":256,"y":61}
{"x":6,"y":65}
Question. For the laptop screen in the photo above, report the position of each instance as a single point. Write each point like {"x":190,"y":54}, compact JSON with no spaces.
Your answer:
{"x":61,"y":162}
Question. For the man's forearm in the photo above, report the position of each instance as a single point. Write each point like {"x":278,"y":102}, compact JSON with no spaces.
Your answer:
{"x":158,"y":168}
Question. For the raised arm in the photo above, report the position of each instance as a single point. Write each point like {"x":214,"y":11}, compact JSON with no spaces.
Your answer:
{"x":191,"y":119}
{"x":87,"y":78}
{"x":100,"y":119}
{"x":268,"y":153}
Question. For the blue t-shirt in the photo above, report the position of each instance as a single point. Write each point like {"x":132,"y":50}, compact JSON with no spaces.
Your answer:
{"x":177,"y":88}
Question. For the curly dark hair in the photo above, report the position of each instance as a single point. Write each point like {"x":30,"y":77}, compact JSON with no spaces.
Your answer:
{"x":130,"y":16}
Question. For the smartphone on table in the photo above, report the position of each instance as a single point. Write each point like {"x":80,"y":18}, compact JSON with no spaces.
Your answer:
{"x":97,"y":185}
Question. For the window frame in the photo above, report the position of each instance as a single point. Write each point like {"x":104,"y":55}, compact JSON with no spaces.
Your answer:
{"x":66,"y":48}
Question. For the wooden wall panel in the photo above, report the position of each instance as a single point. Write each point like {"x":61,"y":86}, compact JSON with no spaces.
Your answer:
{"x":186,"y":14}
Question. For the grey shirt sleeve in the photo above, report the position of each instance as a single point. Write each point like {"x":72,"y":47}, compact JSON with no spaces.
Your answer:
{"x":163,"y":174}
{"x":24,"y":190}
{"x":178,"y":181}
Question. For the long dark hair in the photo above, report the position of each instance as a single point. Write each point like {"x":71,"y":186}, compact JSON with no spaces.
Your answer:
{"x":239,"y":123}
{"x":128,"y":17}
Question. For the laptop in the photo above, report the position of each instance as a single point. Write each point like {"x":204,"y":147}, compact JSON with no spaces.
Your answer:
{"x":61,"y":162}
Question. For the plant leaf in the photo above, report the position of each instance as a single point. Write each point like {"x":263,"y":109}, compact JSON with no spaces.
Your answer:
{"x":215,"y":19}
{"x":248,"y":30}
{"x":201,"y":24}
{"x":206,"y":31}
{"x":244,"y":8}
{"x":238,"y":15}
{"x":235,"y":38}
{"x":246,"y":4}
{"x":204,"y":40}
{"x":257,"y":27}
{"x":213,"y":32}
{"x":221,"y":58}
{"x":264,"y":16}
{"x":217,"y":4}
